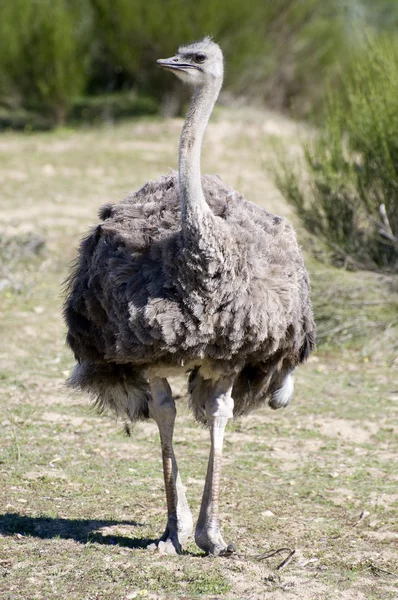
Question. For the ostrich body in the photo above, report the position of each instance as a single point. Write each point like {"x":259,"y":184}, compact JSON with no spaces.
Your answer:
{"x":186,"y":276}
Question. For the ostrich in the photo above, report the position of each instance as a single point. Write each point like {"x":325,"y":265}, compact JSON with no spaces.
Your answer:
{"x":187,"y":276}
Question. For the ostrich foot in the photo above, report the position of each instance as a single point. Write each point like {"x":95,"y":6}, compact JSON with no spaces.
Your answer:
{"x":167,"y":544}
{"x":170,"y":545}
{"x":176,"y":535}
{"x":212,"y":543}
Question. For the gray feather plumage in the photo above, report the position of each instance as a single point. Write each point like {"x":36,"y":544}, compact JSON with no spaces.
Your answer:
{"x":144,"y":294}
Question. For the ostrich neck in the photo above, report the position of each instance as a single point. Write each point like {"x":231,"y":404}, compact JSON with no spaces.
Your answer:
{"x":194,"y":207}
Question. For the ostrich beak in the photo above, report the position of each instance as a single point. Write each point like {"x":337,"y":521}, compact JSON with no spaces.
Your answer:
{"x":174,"y":64}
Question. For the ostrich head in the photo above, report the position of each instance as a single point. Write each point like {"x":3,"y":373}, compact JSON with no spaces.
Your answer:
{"x":196,"y":64}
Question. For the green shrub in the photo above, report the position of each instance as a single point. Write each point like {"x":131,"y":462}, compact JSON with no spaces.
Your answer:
{"x":135,"y":34}
{"x":43,"y":53}
{"x":382,"y":15}
{"x":351,"y":199}
{"x":53,"y":51}
{"x":275,"y":51}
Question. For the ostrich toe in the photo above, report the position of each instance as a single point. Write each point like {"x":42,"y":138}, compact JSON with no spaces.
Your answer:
{"x":212,"y":543}
{"x":169,"y":546}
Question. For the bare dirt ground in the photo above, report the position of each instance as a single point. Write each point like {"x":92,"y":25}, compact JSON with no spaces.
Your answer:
{"x":80,"y":501}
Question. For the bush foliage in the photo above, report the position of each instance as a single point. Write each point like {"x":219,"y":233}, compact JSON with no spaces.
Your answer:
{"x":351,"y":199}
{"x":43,"y":54}
{"x":274,"y":51}
{"x":51,"y":51}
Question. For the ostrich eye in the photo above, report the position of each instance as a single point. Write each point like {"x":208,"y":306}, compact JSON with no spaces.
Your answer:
{"x":200,"y":58}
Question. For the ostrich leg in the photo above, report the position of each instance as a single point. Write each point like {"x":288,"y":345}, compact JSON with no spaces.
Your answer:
{"x":179,"y":519}
{"x":219,"y":408}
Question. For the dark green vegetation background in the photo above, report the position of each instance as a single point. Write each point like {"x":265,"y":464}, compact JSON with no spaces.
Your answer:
{"x":59,"y":58}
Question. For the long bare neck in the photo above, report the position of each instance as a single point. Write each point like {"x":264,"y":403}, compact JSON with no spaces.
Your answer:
{"x":194,"y":208}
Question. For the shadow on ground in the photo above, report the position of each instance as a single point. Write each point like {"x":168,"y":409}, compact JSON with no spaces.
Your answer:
{"x":84,"y":531}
